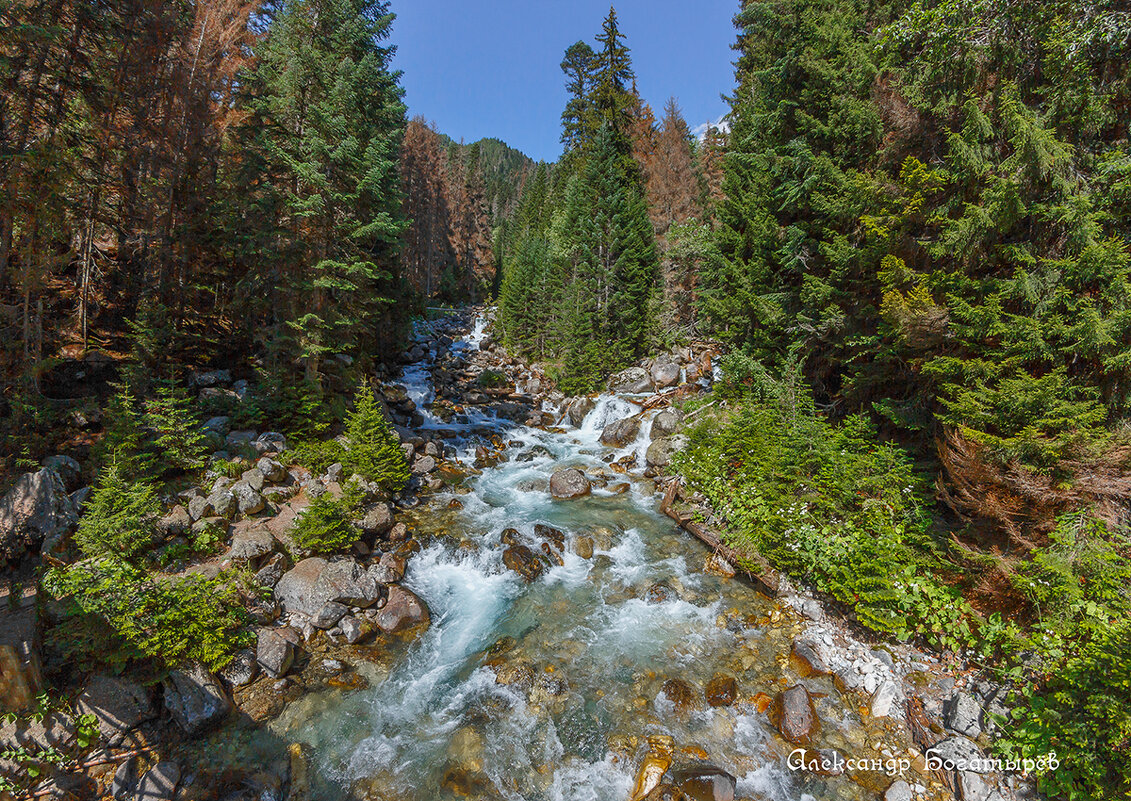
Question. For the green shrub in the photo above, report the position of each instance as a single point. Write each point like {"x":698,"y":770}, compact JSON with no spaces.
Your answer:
{"x":491,"y":379}
{"x":825,"y":503}
{"x":125,"y":441}
{"x":327,"y":524}
{"x":171,"y":620}
{"x":120,"y":518}
{"x":374,"y":451}
{"x":317,"y":455}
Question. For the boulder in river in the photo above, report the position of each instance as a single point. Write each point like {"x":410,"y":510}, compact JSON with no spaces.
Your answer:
{"x":633,"y":381}
{"x":577,"y":409}
{"x":569,"y":483}
{"x":523,"y":561}
{"x":794,"y":715}
{"x":274,"y":653}
{"x":118,"y":704}
{"x":402,"y":612}
{"x":659,"y":453}
{"x":665,"y":374}
{"x":721,"y":690}
{"x":705,"y":783}
{"x":621,"y":432}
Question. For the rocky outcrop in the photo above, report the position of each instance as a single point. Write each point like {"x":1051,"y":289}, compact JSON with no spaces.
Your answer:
{"x":36,"y":512}
{"x":195,"y":699}
{"x":569,"y":483}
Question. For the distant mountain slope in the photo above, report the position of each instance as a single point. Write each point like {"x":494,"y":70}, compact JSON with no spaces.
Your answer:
{"x":504,"y":170}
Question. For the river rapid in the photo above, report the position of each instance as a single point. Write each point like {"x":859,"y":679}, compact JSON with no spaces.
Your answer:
{"x":549,"y":691}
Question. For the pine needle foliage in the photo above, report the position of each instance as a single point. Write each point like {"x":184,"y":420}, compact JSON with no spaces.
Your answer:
{"x":120,"y":519}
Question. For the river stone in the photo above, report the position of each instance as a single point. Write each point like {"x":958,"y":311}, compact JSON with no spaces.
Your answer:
{"x":424,"y":464}
{"x":195,"y":698}
{"x":634,"y":381}
{"x":159,"y":783}
{"x":963,"y":715}
{"x":523,"y":561}
{"x":665,"y":792}
{"x":620,"y":432}
{"x":721,"y":690}
{"x":378,"y":519}
{"x":356,"y":630}
{"x":884,"y":698}
{"x":36,"y":511}
{"x":274,"y":653}
{"x":124,"y":783}
{"x":899,"y":791}
{"x":312,"y":582}
{"x":660,"y":592}
{"x":389,"y":569}
{"x":705,"y":783}
{"x":659,"y":453}
{"x":402,"y":612}
{"x":664,"y":424}
{"x":583,"y":547}
{"x":794,"y":715}
{"x":119,"y":705}
{"x":569,"y":483}
{"x":328,"y":616}
{"x":250,"y":543}
{"x":665,"y":375}
{"x":681,"y":694}
{"x":577,"y":409}
{"x":808,"y":658}
{"x":242,"y":670}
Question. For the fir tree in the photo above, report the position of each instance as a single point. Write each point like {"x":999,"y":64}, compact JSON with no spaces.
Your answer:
{"x":578,"y":117}
{"x":120,"y":519}
{"x":336,"y":123}
{"x":374,"y":451}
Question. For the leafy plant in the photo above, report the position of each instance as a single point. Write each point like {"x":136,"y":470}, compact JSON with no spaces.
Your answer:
{"x":171,"y":620}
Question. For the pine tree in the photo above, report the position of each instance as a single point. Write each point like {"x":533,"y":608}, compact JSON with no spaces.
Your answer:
{"x":179,"y":435}
{"x":579,"y":115}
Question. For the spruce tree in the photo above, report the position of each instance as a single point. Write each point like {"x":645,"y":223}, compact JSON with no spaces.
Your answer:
{"x":612,"y":77}
{"x":336,"y":119}
{"x":578,"y":117}
{"x":374,"y":451}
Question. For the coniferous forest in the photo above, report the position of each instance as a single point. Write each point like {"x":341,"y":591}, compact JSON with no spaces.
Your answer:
{"x":895,"y":280}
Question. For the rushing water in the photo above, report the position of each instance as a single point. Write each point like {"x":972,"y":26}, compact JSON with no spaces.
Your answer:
{"x":595,"y":639}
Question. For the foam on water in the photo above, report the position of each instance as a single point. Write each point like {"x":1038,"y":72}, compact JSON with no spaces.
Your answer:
{"x":588,"y":620}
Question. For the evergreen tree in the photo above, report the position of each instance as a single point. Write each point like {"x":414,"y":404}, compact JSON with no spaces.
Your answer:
{"x":336,"y":123}
{"x":578,"y":117}
{"x":179,"y":435}
{"x":612,"y":76}
{"x":121,"y":518}
{"x":374,"y":451}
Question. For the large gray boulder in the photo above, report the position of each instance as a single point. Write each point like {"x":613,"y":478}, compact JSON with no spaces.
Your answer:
{"x":577,"y":409}
{"x":665,"y":423}
{"x":223,"y":503}
{"x":314,"y":582}
{"x":569,"y":483}
{"x":633,"y":381}
{"x":36,"y":512}
{"x":659,"y":453}
{"x":666,"y":374}
{"x":195,"y":698}
{"x":118,"y":704}
{"x":250,"y":543}
{"x":621,"y":432}
{"x":248,"y":501}
{"x":378,"y":519}
{"x":274,"y":653}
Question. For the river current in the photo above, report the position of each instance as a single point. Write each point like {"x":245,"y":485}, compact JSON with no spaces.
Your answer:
{"x":548,"y":691}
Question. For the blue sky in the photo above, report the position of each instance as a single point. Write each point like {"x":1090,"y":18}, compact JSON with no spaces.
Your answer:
{"x":481,"y":69}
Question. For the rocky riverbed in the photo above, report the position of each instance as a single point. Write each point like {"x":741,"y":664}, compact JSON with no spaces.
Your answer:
{"x":527,"y":621}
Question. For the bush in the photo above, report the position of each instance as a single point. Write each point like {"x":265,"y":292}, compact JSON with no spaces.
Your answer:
{"x":327,"y":524}
{"x":825,"y":503}
{"x":120,"y":519}
{"x":125,"y":441}
{"x":374,"y":451}
{"x":171,"y":620}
